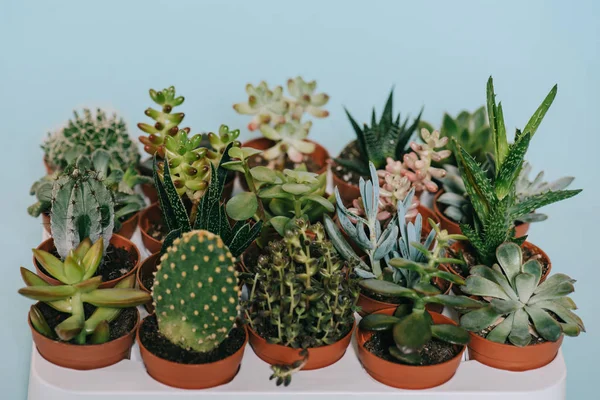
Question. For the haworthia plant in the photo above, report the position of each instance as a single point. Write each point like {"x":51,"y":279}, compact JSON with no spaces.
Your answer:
{"x":517,"y":303}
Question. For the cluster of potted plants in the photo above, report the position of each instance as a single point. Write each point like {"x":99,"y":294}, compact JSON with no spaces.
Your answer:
{"x":286,"y":266}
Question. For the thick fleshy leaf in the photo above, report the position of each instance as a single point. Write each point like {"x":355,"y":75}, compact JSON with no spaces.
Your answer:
{"x":387,"y":288}
{"x":447,"y":276}
{"x":538,"y":201}
{"x":323,"y":202}
{"x":242,"y":206}
{"x":274,"y":192}
{"x":426,"y":289}
{"x":525,"y":285}
{"x":534,"y":268}
{"x":83,"y":248}
{"x":92,"y":259}
{"x":500,"y":333}
{"x":101,"y":334}
{"x":50,"y":263}
{"x":505,"y":306}
{"x":479,"y":286}
{"x":412,"y":332}
{"x":510,"y":258}
{"x":519,"y":334}
{"x":450,"y":334}
{"x":480,"y":319}
{"x":39,"y":322}
{"x":378,"y":322}
{"x":511,"y":166}
{"x":69,"y":328}
{"x":552,"y":283}
{"x":116,"y":297}
{"x":264,"y":174}
{"x":496,"y":276}
{"x":563,"y":312}
{"x":339,"y":242}
{"x":413,"y":358}
{"x":454,"y":301}
{"x":544,"y":324}
{"x":296,"y":188}
{"x":72,"y":269}
{"x":48,"y":293}
{"x":32,"y":279}
{"x":403,"y":310}
{"x":536,"y":119}
{"x":559,"y":291}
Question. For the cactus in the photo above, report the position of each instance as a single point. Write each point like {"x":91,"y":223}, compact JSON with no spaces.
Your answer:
{"x":195,"y":291}
{"x":166,"y":122}
{"x":78,"y":286}
{"x":87,"y":133}
{"x":82,"y":207}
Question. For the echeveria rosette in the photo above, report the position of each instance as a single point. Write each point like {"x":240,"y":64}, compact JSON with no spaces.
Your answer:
{"x":290,"y":140}
{"x":78,"y":285}
{"x":305,"y":99}
{"x":265,"y":105}
{"x":517,"y":303}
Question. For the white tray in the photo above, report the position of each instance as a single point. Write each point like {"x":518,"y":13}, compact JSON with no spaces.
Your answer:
{"x":128,"y":380}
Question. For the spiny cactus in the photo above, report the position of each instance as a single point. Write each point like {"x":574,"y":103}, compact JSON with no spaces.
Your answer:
{"x":196,"y":291}
{"x":78,"y":286}
{"x":166,"y":122}
{"x":84,"y":134}
{"x":82,"y":207}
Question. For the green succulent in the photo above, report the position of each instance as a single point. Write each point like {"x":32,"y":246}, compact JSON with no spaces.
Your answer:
{"x":85,"y":134}
{"x":518,"y":303}
{"x":78,"y":286}
{"x":495,"y":204}
{"x":411,"y":325}
{"x":219,"y":142}
{"x":290,"y":140}
{"x":388,"y":138}
{"x":195,"y":291}
{"x":166,"y":121}
{"x":265,"y":105}
{"x":300,"y":294}
{"x":470,"y":130}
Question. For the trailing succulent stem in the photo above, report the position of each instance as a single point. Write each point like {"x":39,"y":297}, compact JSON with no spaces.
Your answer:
{"x":518,"y":306}
{"x":195,"y":291}
{"x":78,"y":286}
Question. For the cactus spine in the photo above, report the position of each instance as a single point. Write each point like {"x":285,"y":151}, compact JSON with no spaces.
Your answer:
{"x":82,"y":207}
{"x":196,"y":291}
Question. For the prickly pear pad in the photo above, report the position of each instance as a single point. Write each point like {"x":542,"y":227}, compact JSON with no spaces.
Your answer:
{"x":196,"y":291}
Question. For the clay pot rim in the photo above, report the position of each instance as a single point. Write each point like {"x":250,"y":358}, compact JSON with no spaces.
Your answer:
{"x":362,"y":336}
{"x":62,"y":344}
{"x":105,"y":284}
{"x":263,"y":341}
{"x":144,"y":216}
{"x":323,"y":168}
{"x":438,"y":212}
{"x":128,"y":220}
{"x":138,"y":274}
{"x":510,"y":347}
{"x":169,"y":363}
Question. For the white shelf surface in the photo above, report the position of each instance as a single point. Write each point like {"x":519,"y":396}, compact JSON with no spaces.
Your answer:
{"x":128,"y":380}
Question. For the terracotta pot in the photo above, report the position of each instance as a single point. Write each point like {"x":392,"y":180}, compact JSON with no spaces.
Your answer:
{"x":318,"y":357}
{"x":152,"y":213}
{"x":512,"y":358}
{"x":370,"y":306}
{"x":426,"y":213}
{"x":46,"y":223}
{"x":191,"y":376}
{"x":84,"y":357}
{"x":150,"y":192}
{"x":348,"y":191}
{"x":148,"y":267}
{"x":127,"y":228}
{"x":320,"y":156}
{"x":453,"y":228}
{"x":116,"y":240}
{"x":49,"y":168}
{"x":406,"y":376}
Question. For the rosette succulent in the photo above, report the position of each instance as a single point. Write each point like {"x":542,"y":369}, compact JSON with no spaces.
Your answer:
{"x":265,"y":105}
{"x":290,"y":140}
{"x":519,"y":307}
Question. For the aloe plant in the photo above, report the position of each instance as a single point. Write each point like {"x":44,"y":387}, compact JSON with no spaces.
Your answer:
{"x":78,"y":286}
{"x":494,"y":201}
{"x":517,"y":303}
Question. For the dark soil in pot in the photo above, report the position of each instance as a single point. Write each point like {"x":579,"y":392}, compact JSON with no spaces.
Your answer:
{"x":116,"y":262}
{"x":148,"y":281}
{"x":350,"y":152}
{"x":119,"y":327}
{"x":160,"y":346}
{"x":157,"y":230}
{"x":434,"y":352}
{"x":251,"y":257}
{"x":268,"y":331}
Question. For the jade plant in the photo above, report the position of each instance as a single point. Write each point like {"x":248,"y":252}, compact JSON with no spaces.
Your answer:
{"x":519,"y":307}
{"x":279,"y":118}
{"x":195,"y":292}
{"x":78,"y":285}
{"x":471,"y":131}
{"x":411,"y":325}
{"x":87,"y":133}
{"x":494,"y":200}
{"x":300,"y":295}
{"x":383,"y":139}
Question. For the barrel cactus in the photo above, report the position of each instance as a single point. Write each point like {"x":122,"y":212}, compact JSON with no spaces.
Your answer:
{"x":82,"y":207}
{"x":196,"y":291}
{"x":86,"y":133}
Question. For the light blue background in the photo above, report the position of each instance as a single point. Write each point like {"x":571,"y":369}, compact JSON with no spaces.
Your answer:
{"x":56,"y":55}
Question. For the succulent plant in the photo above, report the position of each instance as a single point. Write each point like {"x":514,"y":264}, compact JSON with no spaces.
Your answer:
{"x":300,"y":295}
{"x":494,"y":200}
{"x":267,"y":106}
{"x":78,"y":286}
{"x":518,"y":305}
{"x":166,"y":121}
{"x":290,"y":140}
{"x":385,"y":139}
{"x":455,"y":197}
{"x":207,"y":213}
{"x":411,"y":325}
{"x":42,"y":190}
{"x":220,"y":141}
{"x":195,"y":291}
{"x":305,"y":99}
{"x":471,"y":131}
{"x":87,"y":133}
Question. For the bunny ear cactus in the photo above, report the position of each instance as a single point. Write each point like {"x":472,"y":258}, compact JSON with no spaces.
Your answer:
{"x":195,"y":291}
{"x":517,"y":303}
{"x":87,"y":133}
{"x":78,"y":286}
{"x":494,"y":201}
{"x":265,"y":105}
{"x":383,"y":139}
{"x":166,"y":121}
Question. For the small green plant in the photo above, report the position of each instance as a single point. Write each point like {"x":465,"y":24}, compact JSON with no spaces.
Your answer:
{"x":78,"y":286}
{"x":195,"y":291}
{"x":166,"y":121}
{"x":411,"y":325}
{"x":388,"y":138}
{"x":300,"y":295}
{"x":85,"y":134}
{"x":517,"y":304}
{"x":494,"y":200}
{"x":471,"y":131}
